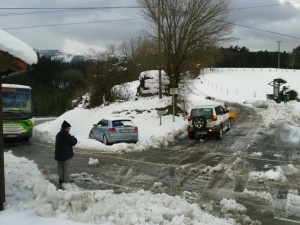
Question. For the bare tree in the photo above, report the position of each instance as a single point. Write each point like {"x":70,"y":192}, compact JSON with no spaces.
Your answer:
{"x":186,"y":27}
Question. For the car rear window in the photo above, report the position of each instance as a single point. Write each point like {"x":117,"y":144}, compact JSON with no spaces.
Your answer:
{"x":207,"y":112}
{"x":122,"y":123}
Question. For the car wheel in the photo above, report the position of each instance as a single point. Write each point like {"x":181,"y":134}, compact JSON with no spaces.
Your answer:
{"x":26,"y":139}
{"x":199,"y":122}
{"x":91,"y":136}
{"x":229,"y":125}
{"x":105,"y":140}
{"x":219,"y":134}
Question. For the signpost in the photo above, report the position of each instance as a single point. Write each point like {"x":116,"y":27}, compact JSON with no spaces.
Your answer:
{"x":173,"y":92}
{"x":161,"y":113}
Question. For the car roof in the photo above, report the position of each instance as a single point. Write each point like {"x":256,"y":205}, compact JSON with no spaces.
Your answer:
{"x":206,"y":106}
{"x":112,"y":118}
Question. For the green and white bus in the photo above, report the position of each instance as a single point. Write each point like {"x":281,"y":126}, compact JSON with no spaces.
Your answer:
{"x":17,"y":111}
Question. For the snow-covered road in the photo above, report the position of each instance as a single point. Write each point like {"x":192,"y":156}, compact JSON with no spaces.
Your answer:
{"x":202,"y":172}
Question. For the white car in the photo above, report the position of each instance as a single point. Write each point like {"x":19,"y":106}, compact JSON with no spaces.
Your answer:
{"x":208,"y":119}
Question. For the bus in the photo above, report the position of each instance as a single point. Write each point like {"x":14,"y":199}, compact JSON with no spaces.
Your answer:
{"x":17,"y":111}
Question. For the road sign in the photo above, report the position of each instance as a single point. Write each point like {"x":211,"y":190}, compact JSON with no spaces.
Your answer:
{"x":173,"y":91}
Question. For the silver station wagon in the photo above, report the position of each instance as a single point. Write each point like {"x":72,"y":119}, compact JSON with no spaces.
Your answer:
{"x":114,"y":130}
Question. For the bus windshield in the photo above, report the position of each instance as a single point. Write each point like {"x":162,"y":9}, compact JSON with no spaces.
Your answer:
{"x":17,"y":100}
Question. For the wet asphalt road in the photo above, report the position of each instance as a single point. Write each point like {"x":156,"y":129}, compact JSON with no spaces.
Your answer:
{"x":204,"y":172}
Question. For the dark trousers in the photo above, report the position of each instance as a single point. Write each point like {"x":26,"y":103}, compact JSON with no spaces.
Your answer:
{"x":63,"y":171}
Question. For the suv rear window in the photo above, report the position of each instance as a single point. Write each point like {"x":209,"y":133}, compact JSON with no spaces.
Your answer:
{"x":206,"y":112}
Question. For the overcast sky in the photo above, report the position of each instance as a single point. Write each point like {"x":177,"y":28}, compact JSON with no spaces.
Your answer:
{"x":114,"y":26}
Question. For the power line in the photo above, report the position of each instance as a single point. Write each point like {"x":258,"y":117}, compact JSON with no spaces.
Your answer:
{"x":264,"y":6}
{"x":128,"y":7}
{"x":263,"y":30}
{"x":61,"y":10}
{"x":65,"y":24}
{"x":71,"y":8}
{"x":37,"y":12}
{"x":129,"y":19}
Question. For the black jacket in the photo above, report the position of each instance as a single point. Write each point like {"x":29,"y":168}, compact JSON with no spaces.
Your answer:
{"x":64,"y":146}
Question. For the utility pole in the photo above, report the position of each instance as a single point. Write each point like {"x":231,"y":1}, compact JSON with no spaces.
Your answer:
{"x":279,"y":54}
{"x":159,"y":48}
{"x":2,"y":179}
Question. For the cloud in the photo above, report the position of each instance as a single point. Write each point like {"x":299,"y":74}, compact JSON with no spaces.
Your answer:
{"x":278,"y":18}
{"x":281,"y":18}
{"x":78,"y":48}
{"x":110,"y":28}
{"x":296,"y":5}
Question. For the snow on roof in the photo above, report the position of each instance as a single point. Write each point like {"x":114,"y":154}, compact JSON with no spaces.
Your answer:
{"x":17,"y":48}
{"x":153,"y":74}
{"x":206,"y":106}
{"x":15,"y":86}
{"x":112,"y":118}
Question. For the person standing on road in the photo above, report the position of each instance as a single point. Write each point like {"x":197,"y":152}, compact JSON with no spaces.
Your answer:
{"x":64,"y":152}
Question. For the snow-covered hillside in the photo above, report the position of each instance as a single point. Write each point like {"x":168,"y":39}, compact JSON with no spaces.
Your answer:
{"x":61,"y":56}
{"x":245,"y":86}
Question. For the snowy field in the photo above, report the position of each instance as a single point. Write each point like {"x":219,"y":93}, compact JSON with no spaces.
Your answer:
{"x":33,"y":200}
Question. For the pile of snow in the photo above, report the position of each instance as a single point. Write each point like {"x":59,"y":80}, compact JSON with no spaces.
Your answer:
{"x":270,"y":175}
{"x":261,"y":195}
{"x":127,"y":90}
{"x":37,"y":201}
{"x":256,"y":154}
{"x":231,"y":206}
{"x":293,"y":202}
{"x":149,"y":82}
{"x":235,"y":212}
{"x":93,"y":162}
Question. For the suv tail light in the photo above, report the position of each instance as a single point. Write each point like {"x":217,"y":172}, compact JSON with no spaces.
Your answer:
{"x":189,"y":118}
{"x":136,"y":129}
{"x":112,"y":130}
{"x":214,"y":118}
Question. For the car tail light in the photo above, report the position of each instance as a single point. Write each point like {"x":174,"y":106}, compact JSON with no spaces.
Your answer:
{"x":136,"y":129}
{"x":190,"y":118}
{"x":112,"y":130}
{"x":214,"y":118}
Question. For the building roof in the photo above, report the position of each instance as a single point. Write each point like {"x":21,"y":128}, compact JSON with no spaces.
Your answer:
{"x":15,"y":55}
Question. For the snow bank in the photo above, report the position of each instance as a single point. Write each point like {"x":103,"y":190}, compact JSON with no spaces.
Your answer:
{"x":142,"y":111}
{"x":29,"y":192}
{"x":271,"y":175}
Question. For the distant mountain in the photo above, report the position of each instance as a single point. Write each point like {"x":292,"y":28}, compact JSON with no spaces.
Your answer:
{"x":61,"y":56}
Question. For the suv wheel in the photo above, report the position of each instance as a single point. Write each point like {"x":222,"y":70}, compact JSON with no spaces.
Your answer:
{"x":199,"y":122}
{"x":229,"y":125}
{"x":219,"y":134}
